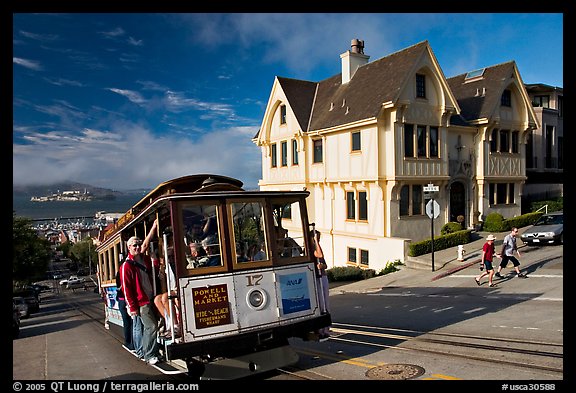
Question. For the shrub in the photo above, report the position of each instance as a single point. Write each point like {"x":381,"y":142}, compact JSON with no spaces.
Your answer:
{"x":390,"y":267}
{"x":345,"y":273}
{"x":553,"y":205}
{"x":451,"y":227}
{"x":440,"y":243}
{"x":494,"y":223}
{"x":523,"y":220}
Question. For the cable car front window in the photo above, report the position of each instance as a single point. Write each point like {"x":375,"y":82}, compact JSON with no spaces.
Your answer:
{"x":288,"y":229}
{"x":202,"y":238}
{"x":249,"y":231}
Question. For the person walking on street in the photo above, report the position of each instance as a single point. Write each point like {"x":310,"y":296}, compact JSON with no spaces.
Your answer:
{"x":136,"y":278}
{"x":488,"y":253}
{"x":508,"y":248}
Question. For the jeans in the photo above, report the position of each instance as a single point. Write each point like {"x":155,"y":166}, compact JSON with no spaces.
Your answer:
{"x":150,"y":347}
{"x":324,"y":289}
{"x":126,"y":323}
{"x":137,"y":331}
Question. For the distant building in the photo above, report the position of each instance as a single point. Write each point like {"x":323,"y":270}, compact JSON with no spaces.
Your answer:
{"x":369,"y":141}
{"x":545,"y":145}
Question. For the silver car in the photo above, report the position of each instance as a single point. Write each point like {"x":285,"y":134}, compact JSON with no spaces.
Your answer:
{"x":549,"y":229}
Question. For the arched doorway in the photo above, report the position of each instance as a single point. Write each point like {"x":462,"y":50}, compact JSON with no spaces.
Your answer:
{"x":457,"y":202}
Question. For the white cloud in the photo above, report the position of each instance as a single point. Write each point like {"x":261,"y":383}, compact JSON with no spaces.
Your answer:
{"x":132,"y":95}
{"x":33,"y":65}
{"x":117,"y":32}
{"x":135,"y":42}
{"x":132,"y":157}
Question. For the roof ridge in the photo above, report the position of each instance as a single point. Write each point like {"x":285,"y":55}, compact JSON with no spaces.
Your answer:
{"x":486,"y":67}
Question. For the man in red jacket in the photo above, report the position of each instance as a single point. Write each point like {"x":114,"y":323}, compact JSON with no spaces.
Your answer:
{"x":137,"y":281}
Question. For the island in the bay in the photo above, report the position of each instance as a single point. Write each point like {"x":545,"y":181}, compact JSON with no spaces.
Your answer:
{"x":70,"y":191}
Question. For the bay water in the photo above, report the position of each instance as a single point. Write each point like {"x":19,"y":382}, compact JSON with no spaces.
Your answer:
{"x":51,"y":210}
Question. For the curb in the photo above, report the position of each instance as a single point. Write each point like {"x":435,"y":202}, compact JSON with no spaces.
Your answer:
{"x":455,"y":269}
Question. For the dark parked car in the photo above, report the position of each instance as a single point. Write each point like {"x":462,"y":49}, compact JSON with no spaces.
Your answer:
{"x":548,"y":229}
{"x":21,"y":306}
{"x":31,"y":297}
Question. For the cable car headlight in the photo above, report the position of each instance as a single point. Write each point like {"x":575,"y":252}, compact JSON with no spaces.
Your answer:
{"x":256,"y":299}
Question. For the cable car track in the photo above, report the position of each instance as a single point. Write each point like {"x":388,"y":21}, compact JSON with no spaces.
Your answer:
{"x":485,"y":349}
{"x":491,"y":349}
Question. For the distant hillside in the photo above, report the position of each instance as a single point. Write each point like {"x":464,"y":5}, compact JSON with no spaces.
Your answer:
{"x":97,"y":192}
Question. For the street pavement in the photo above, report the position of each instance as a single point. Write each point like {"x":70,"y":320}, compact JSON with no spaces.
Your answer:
{"x":418,"y":270}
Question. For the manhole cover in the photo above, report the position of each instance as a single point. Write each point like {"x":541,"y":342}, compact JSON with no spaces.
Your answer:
{"x":395,"y":371}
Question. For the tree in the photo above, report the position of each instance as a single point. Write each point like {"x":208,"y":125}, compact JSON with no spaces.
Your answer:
{"x":65,"y":248}
{"x":84,"y":252}
{"x":31,"y":254}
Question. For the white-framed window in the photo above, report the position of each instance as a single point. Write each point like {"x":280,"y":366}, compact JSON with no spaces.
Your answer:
{"x":294,"y":152}
{"x":273,"y":155}
{"x":364,"y":258}
{"x":357,"y":205}
{"x":420,"y":86}
{"x":284,"y":153}
{"x":352,"y":256}
{"x":355,"y":141}
{"x":317,"y":143}
{"x":506,"y":99}
{"x":282,"y":114}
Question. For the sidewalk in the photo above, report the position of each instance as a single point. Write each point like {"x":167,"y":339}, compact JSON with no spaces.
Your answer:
{"x":417,"y":271}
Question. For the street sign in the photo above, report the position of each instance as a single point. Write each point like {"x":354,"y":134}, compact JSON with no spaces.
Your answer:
{"x":431,"y":188}
{"x":432,"y":209}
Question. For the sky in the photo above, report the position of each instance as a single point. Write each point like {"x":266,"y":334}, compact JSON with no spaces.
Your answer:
{"x":130,"y":100}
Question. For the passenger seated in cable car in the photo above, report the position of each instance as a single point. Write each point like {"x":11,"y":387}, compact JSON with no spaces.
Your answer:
{"x":287,"y":247}
{"x":212,"y":249}
{"x":196,"y":253}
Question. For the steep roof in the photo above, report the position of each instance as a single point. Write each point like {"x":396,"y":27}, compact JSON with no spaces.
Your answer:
{"x":473,"y":103}
{"x":362,"y":97}
{"x":300,"y":95}
{"x":330,"y":103}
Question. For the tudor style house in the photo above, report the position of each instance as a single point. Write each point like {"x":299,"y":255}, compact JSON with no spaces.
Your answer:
{"x":368,"y":142}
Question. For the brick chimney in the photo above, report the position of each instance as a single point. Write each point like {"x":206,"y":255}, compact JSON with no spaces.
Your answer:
{"x":352,"y":59}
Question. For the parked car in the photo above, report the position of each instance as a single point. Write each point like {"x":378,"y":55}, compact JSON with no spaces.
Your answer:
{"x":31,"y":297}
{"x":41,"y":287}
{"x":74,"y":282}
{"x":548,"y":229}
{"x":65,"y":281}
{"x":15,"y":321}
{"x":21,"y":306}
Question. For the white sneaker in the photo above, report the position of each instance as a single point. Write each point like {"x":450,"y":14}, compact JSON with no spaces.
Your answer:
{"x":152,"y":361}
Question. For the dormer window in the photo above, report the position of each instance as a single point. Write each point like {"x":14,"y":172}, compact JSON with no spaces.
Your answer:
{"x":283,"y":114}
{"x":420,"y":86}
